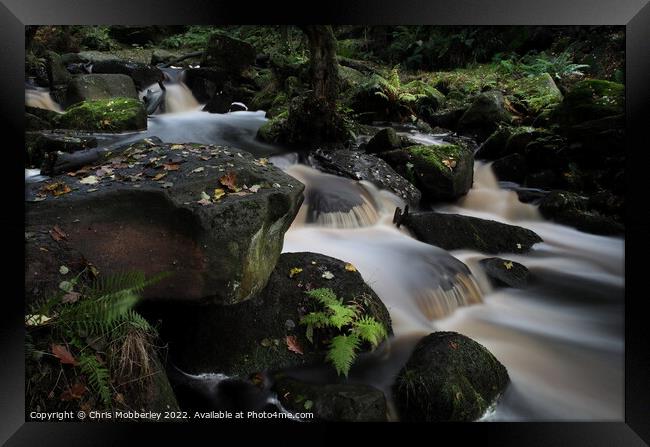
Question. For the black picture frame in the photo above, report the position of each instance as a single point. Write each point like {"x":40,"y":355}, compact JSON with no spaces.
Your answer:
{"x":634,"y":14}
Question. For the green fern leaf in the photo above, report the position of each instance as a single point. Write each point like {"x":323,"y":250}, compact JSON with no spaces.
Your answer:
{"x":342,"y":352}
{"x":340,"y":314}
{"x":370,"y":330}
{"x":323,"y":295}
{"x":97,"y":376}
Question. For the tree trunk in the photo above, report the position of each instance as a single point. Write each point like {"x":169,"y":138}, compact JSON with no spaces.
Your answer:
{"x":323,"y":64}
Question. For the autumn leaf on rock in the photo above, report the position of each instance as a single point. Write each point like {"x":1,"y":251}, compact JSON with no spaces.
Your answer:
{"x":350,"y":268}
{"x":229,"y":181}
{"x":70,"y":297}
{"x":293,"y":345}
{"x":508,"y":265}
{"x":294,"y":271}
{"x":219,"y":193}
{"x":62,"y":353}
{"x":57,"y":233}
{"x":56,"y":189}
{"x":170,"y":166}
{"x":176,"y":147}
{"x":159,"y":176}
{"x":90,"y":180}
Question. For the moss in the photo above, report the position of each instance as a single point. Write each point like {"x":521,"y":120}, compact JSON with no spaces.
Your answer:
{"x":437,"y":154}
{"x":272,"y":130}
{"x":591,"y":99}
{"x":105,"y":115}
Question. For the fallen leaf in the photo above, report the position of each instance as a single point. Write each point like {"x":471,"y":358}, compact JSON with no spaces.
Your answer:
{"x":204,"y":202}
{"x":57,"y":233}
{"x":453,"y":345}
{"x":167,"y":185}
{"x":171,"y":166}
{"x":197,"y":170}
{"x":76,"y":391}
{"x":64,"y":270}
{"x":90,"y":180}
{"x":519,"y":246}
{"x":350,"y":268}
{"x":92,"y":190}
{"x":70,"y":297}
{"x":263,"y":161}
{"x":159,"y":176}
{"x":219,"y":193}
{"x":62,"y":353}
{"x":294,"y":271}
{"x":508,"y":265}
{"x":293,"y":345}
{"x":36,"y":320}
{"x":327,"y":275}
{"x":66,"y":286}
{"x":308,"y":405}
{"x":56,"y":189}
{"x":254,"y":188}
{"x":230,"y":181}
{"x":177,"y":147}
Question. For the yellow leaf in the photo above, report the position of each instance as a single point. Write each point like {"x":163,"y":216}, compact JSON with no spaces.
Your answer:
{"x":294,"y":271}
{"x":350,"y":268}
{"x":219,"y":193}
{"x":508,"y":265}
{"x":177,"y":147}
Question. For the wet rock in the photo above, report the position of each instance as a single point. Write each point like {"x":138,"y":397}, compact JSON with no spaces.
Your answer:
{"x":143,"y":75}
{"x":455,"y":232}
{"x":442,"y":172}
{"x":33,"y":122}
{"x":228,"y":53}
{"x":332,"y":402}
{"x":229,"y":93}
{"x":56,"y":71}
{"x":484,"y":115}
{"x":360,"y":166}
{"x":99,"y":86}
{"x":511,"y":168}
{"x":104,"y":115}
{"x":575,"y":211}
{"x":504,"y":272}
{"x":591,"y":99}
{"x":384,"y":140}
{"x":251,"y":336}
{"x":37,"y":144}
{"x":449,"y":377}
{"x":494,"y":146}
{"x":160,"y":56}
{"x":447,"y":119}
{"x":144,"y":214}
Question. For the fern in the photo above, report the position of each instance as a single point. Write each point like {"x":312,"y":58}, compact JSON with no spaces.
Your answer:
{"x":348,"y":319}
{"x":97,"y":376}
{"x":370,"y":330}
{"x":342,"y":352}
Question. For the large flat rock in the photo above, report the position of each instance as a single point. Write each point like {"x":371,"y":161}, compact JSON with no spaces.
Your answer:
{"x":146,"y":209}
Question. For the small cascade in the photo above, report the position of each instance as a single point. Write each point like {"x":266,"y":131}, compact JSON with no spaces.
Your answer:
{"x":41,"y":99}
{"x":179,"y":98}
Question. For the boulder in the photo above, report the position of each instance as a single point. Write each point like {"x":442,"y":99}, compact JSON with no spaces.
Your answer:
{"x":105,"y":115}
{"x":456,"y":232}
{"x":145,"y":209}
{"x":449,"y":377}
{"x":484,"y":115}
{"x":574,"y":210}
{"x":511,"y":168}
{"x":99,"y":86}
{"x":360,"y":166}
{"x":37,"y":144}
{"x":447,"y":118}
{"x":344,"y":402}
{"x":33,"y":122}
{"x":228,"y":94}
{"x":504,"y":272}
{"x":206,"y":82}
{"x":591,"y":99}
{"x":442,"y":172}
{"x":251,"y":336}
{"x":161,"y":56}
{"x":495,"y":145}
{"x":228,"y":53}
{"x":384,"y":140}
{"x":143,"y":75}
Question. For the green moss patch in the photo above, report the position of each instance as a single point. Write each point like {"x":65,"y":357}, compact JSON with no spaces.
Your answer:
{"x":105,"y":115}
{"x":439,"y":156}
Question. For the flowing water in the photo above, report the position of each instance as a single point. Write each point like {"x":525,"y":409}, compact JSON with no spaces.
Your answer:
{"x":561,"y":339}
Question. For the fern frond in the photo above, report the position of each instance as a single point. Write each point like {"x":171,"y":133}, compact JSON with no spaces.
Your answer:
{"x":340,"y":314}
{"x":97,"y":376}
{"x":370,"y":330}
{"x":316,"y":319}
{"x":342,"y":352}
{"x":324,"y":296}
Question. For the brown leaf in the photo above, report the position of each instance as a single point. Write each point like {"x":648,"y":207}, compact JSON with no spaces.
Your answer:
{"x":453,"y":345}
{"x":229,"y":181}
{"x":171,"y":166}
{"x":76,"y":391}
{"x":62,"y":353}
{"x":70,"y":297}
{"x":56,"y":189}
{"x":57,"y":233}
{"x":293,"y":345}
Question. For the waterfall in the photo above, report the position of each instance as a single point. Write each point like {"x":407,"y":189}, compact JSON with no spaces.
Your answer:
{"x":41,"y":99}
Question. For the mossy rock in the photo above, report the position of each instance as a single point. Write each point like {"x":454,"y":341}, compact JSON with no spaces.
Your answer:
{"x":442,"y":172}
{"x":538,"y":93}
{"x":273,"y":130}
{"x":341,"y":402}
{"x":449,"y":377}
{"x":89,"y":87}
{"x":484,"y":115}
{"x":504,"y":272}
{"x":105,"y":115}
{"x":251,"y":336}
{"x":591,"y":99}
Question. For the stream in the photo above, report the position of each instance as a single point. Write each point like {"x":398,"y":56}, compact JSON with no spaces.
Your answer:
{"x":561,"y":339}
